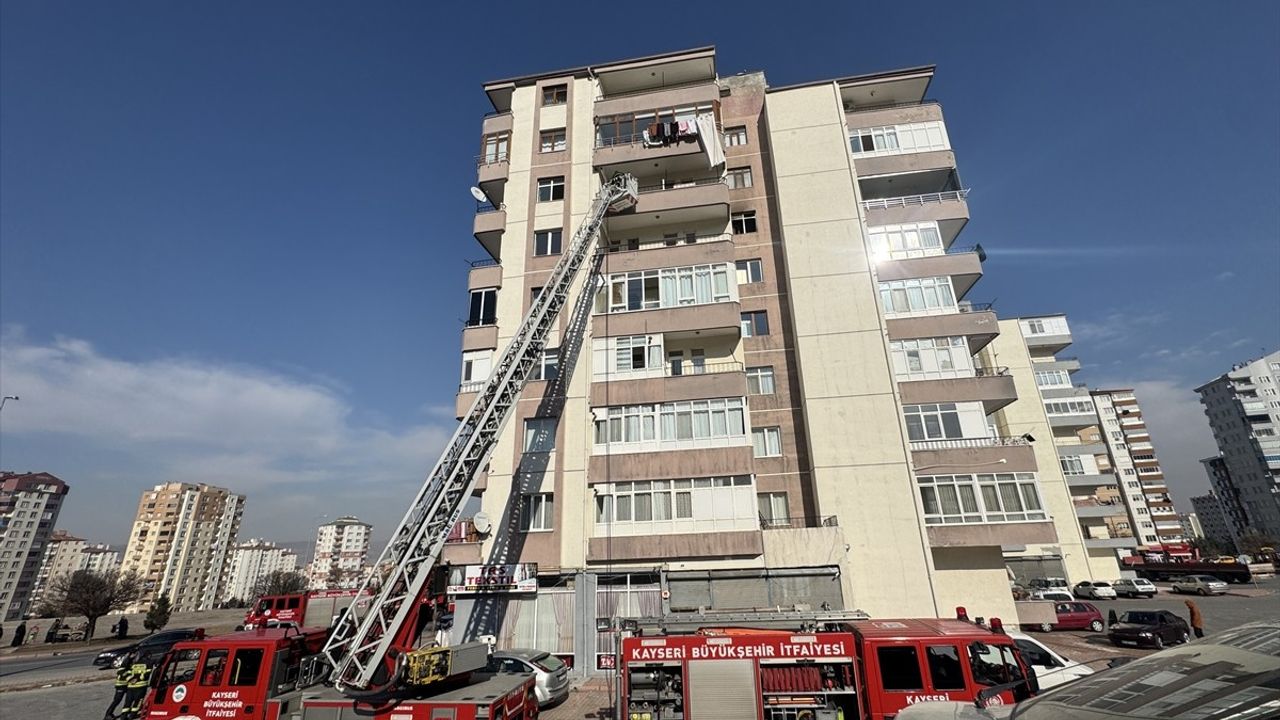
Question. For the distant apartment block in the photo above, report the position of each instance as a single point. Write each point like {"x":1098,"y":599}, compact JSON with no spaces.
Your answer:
{"x":252,"y":561}
{"x":341,"y":556}
{"x":1227,"y":496}
{"x":181,"y":543}
{"x":1191,"y":527}
{"x":1243,"y":408}
{"x":65,"y":554}
{"x":29,"y":506}
{"x":1213,"y":521}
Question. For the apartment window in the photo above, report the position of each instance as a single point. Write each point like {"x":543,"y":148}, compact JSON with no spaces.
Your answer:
{"x":872,"y":139}
{"x":661,"y":500}
{"x":888,"y":140}
{"x":773,"y":509}
{"x":1068,"y":407}
{"x":690,"y":420}
{"x":760,"y":380}
{"x":735,"y":136}
{"x":1002,"y":497}
{"x":476,"y":365}
{"x":552,"y":141}
{"x":744,"y":222}
{"x":551,"y":188}
{"x":547,"y":242}
{"x":944,"y":356}
{"x":540,"y":435}
{"x":536,"y":512}
{"x":917,"y":294}
{"x":767,"y":441}
{"x":635,"y":126}
{"x":738,"y":178}
{"x":495,"y":148}
{"x":1071,"y":465}
{"x":697,"y":362}
{"x":668,"y":287}
{"x":637,"y":352}
{"x":1053,"y":378}
{"x":933,"y":422}
{"x":555,"y":94}
{"x":1131,"y":484}
{"x":484,"y":306}
{"x":1035,"y":327}
{"x":1128,"y":471}
{"x":755,"y":323}
{"x":548,"y":366}
{"x":1142,"y":511}
{"x":907,"y":240}
{"x":750,"y":271}
{"x":1148,"y":471}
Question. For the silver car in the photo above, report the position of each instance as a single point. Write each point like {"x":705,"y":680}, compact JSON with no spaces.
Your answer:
{"x":550,"y":673}
{"x":1199,"y":584}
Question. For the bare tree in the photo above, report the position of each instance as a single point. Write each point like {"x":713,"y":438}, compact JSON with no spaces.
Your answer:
{"x":92,"y":594}
{"x":280,"y":582}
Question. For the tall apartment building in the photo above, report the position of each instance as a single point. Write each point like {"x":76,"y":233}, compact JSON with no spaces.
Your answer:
{"x":65,"y":554}
{"x":341,"y":556}
{"x":776,"y":399}
{"x":29,"y":506}
{"x":1227,"y":496}
{"x":1243,"y":408}
{"x":181,"y":542}
{"x":1213,"y":521}
{"x":252,"y":561}
{"x":1191,"y":527}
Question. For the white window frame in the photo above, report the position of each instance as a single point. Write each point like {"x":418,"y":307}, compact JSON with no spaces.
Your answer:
{"x":761,"y":380}
{"x":537,"y":512}
{"x":735,"y":136}
{"x":749,"y":271}
{"x":927,"y":136}
{"x":558,"y":141}
{"x":779,"y":509}
{"x":1068,"y":407}
{"x":749,"y":322}
{"x":651,"y":507}
{"x":744,"y":223}
{"x":483,"y":319}
{"x":918,"y":296}
{"x":540,"y":426}
{"x":931,"y":358}
{"x":1071,"y":465}
{"x":548,"y":366}
{"x":548,"y":242}
{"x":738,"y":178}
{"x":907,"y":240}
{"x":766,"y":441}
{"x":1052,"y":378}
{"x":552,"y":186}
{"x":476,"y":365}
{"x":932,"y":422}
{"x":666,"y":288}
{"x":981,"y":498}
{"x":692,"y":423}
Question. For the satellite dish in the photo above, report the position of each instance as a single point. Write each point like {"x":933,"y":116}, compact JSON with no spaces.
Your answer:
{"x":481,"y":523}
{"x":478,"y":194}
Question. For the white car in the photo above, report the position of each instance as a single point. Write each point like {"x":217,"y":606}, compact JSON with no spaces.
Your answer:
{"x":1134,"y":587}
{"x":1052,"y":669}
{"x":1096,"y":590}
{"x":1199,"y":584}
{"x":1055,"y":595}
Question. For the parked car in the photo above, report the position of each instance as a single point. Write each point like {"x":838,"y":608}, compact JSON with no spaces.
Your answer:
{"x":1097,"y":590}
{"x":551,"y":674}
{"x":1156,"y":628}
{"x":1134,"y":587}
{"x":148,"y":648}
{"x":1052,"y":669}
{"x":1076,"y":615}
{"x":1055,"y":595}
{"x":1048,"y":583}
{"x":1199,"y":584}
{"x":1229,"y":674}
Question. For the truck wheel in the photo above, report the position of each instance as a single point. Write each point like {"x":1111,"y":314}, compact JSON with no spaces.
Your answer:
{"x":1096,"y":626}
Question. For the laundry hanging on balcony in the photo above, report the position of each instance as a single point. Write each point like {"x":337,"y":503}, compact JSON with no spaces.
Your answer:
{"x":710,"y":139}
{"x":662,"y":134}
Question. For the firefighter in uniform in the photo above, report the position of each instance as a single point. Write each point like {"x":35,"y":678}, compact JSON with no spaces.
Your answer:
{"x":139,"y":678}
{"x":121,"y":687}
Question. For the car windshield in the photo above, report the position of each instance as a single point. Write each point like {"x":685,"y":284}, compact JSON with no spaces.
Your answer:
{"x":1229,"y":675}
{"x":1140,"y":617}
{"x":1101,"y":584}
{"x":548,"y":662}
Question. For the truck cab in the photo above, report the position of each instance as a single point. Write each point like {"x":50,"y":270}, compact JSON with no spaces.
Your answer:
{"x":317,"y":608}
{"x":251,"y":675}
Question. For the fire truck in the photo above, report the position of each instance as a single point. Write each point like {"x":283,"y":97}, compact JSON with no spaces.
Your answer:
{"x":387,"y":658}
{"x":826,"y":665}
{"x":318,"y":608}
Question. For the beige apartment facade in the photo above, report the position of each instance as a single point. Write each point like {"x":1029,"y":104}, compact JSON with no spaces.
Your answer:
{"x":29,"y":507}
{"x":181,"y":543}
{"x":65,"y":554}
{"x":773,"y":394}
{"x":341,"y":556}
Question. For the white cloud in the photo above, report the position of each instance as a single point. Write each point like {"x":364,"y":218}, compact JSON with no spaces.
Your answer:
{"x":1115,"y":325}
{"x":111,"y":427}
{"x":1224,"y":276}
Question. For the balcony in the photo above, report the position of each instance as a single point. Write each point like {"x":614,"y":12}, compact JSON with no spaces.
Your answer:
{"x":1110,"y":542}
{"x":665,"y":547}
{"x":962,"y":265}
{"x":942,"y":457}
{"x":1095,"y":508}
{"x":993,"y":386}
{"x":630,"y":154}
{"x":717,"y":318}
{"x":492,"y":170}
{"x":480,"y":337}
{"x":949,"y":209}
{"x":975,"y":321}
{"x":900,"y":147}
{"x":1082,"y":449}
{"x":489,"y":225}
{"x":1092,"y":480}
{"x":632,"y":256}
{"x":694,"y":92}
{"x":663,"y":73}
{"x":799,"y":521}
{"x":1073,"y":420}
{"x":690,"y":203}
{"x":1070,"y":364}
{"x":702,"y":462}
{"x":712,"y":380}
{"x":1064,"y":392}
{"x":992,"y":534}
{"x":484,"y":274}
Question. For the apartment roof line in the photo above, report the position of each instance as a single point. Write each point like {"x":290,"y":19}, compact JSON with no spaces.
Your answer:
{"x":865,"y":79}
{"x":1109,"y":391}
{"x":583,"y":70}
{"x":1040,"y":315}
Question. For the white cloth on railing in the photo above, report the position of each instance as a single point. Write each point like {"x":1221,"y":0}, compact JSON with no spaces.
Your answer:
{"x":710,"y":139}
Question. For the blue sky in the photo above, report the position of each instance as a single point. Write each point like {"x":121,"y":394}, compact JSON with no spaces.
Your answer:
{"x":233,"y":235}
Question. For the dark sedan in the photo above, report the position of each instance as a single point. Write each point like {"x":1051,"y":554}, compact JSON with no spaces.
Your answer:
{"x":150,"y":649}
{"x":1156,"y":628}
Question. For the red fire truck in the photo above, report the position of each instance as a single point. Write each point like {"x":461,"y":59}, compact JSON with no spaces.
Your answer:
{"x":317,"y":608}
{"x":276,"y":673}
{"x":812,"y":666}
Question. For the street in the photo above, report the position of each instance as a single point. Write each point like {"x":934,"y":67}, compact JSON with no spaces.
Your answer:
{"x":27,"y":670}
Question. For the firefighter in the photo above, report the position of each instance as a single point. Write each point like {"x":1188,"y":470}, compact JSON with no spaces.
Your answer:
{"x":121,"y":686}
{"x":139,"y":678}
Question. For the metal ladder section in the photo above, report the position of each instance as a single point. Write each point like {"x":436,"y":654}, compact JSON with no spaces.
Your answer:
{"x":363,"y":637}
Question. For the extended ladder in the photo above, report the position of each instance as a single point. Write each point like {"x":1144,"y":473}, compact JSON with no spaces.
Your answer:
{"x":361,"y":641}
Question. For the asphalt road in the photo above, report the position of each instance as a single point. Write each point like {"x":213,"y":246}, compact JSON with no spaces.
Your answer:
{"x":73,"y":702}
{"x":26,"y":669}
{"x":1241,"y":604}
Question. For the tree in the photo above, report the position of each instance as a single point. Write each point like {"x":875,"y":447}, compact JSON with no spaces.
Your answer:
{"x":1210,"y":547}
{"x":1252,"y":542}
{"x":158,"y":614}
{"x":92,"y":594}
{"x":280,"y":582}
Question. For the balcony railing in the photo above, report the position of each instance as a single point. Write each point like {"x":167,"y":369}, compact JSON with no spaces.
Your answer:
{"x":966,"y":306}
{"x":665,"y":185}
{"x":913,"y":200}
{"x":954,"y":443}
{"x":491,"y":159}
{"x":480,"y":322}
{"x":799,"y":521}
{"x":638,"y":138}
{"x":487,"y":262}
{"x":686,"y":369}
{"x":483,"y":208}
{"x":659,"y":243}
{"x":471,"y":386}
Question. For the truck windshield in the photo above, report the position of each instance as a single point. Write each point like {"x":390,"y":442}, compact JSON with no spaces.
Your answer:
{"x":264,"y":606}
{"x":993,"y":664}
